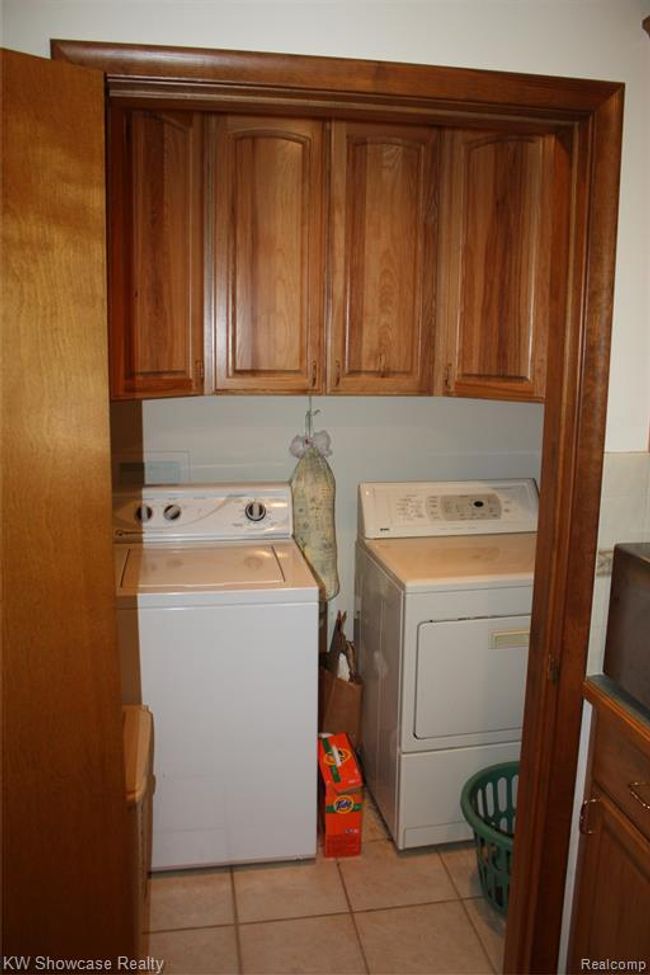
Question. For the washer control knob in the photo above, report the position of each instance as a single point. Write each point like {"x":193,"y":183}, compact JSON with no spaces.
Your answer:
{"x":172,"y":512}
{"x":143,"y":513}
{"x":255,"y":511}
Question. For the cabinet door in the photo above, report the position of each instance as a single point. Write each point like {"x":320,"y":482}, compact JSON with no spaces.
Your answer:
{"x":156,"y":253}
{"x":268,"y":254}
{"x":494,"y":264}
{"x":65,"y":843}
{"x":382,"y":235}
{"x":610,"y":918}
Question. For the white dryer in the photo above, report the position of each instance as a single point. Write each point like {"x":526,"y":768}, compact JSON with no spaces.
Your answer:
{"x":218,"y":634}
{"x":444,"y":580}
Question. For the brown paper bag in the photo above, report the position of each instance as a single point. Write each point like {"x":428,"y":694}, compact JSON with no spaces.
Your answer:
{"x":339,"y":705}
{"x":339,"y":701}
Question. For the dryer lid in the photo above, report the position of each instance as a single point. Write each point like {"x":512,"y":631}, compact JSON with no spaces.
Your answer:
{"x":458,"y":562}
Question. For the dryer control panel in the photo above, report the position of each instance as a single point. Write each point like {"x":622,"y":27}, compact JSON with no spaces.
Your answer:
{"x":413,"y":509}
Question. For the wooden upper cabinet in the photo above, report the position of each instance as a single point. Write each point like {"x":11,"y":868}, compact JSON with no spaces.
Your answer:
{"x":267,"y":182}
{"x":330,"y":256}
{"x":382,"y":258}
{"x":496,"y":227}
{"x":156,"y":253}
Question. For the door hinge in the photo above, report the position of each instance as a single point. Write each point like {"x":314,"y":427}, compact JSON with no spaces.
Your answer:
{"x":199,"y":369}
{"x":447,"y":378}
{"x":584,"y":816}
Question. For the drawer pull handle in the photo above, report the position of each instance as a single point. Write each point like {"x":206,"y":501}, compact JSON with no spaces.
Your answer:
{"x":634,"y":786}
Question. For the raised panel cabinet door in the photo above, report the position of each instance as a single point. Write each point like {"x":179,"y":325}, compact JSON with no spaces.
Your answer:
{"x":156,"y":253}
{"x":267,"y":181}
{"x":382,"y":254}
{"x":612,"y":901}
{"x":494,"y":281}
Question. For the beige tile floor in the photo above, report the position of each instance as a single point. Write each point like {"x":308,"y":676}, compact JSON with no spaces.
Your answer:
{"x":382,"y":912}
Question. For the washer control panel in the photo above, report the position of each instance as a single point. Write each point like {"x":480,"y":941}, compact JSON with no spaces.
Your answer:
{"x":255,"y":511}
{"x":428,"y":508}
{"x":198,"y":512}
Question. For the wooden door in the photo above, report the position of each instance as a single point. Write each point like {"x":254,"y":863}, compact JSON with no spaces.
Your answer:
{"x":610,"y":917}
{"x":156,"y":253}
{"x":382,"y":227}
{"x":64,"y":852}
{"x":268,"y":254}
{"x":494,"y":264}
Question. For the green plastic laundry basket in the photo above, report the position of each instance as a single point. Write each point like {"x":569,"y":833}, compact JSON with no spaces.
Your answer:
{"x":488,"y":802}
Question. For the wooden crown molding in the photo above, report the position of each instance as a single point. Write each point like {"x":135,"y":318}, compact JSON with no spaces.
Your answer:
{"x":307,"y":75}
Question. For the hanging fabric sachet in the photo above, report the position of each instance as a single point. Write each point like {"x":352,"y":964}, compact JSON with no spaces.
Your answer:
{"x":313,"y":491}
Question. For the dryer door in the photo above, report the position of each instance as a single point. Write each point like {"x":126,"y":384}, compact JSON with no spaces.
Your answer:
{"x":470,"y":680}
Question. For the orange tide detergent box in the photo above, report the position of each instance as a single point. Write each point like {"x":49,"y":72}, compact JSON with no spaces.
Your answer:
{"x":342,"y":796}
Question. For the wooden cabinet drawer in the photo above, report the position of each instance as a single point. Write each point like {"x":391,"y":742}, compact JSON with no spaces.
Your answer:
{"x":623,"y":771}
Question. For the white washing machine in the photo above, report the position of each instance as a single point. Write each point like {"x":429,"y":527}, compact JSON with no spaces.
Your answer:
{"x":218,"y":634}
{"x":444,"y":581}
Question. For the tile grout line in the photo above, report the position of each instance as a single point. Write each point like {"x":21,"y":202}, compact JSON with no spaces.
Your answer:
{"x":450,"y":875}
{"x":406,"y":907}
{"x":192,"y":927}
{"x":349,"y":909}
{"x":478,"y":933}
{"x":352,"y":917}
{"x":466,"y":912}
{"x":235,"y":911}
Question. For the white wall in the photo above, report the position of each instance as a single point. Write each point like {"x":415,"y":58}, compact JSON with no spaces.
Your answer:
{"x":373,"y":439}
{"x":583,"y":38}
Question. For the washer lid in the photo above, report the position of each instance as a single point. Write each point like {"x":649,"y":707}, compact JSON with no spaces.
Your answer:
{"x":206,"y":573}
{"x":151,"y":569}
{"x":457,"y":562}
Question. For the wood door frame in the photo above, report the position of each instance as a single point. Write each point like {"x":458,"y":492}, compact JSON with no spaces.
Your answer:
{"x":589,"y":113}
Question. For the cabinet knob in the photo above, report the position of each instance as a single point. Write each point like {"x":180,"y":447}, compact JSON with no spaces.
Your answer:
{"x":337,"y":372}
{"x":447,"y":379}
{"x":383,"y":369}
{"x":314,"y":372}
